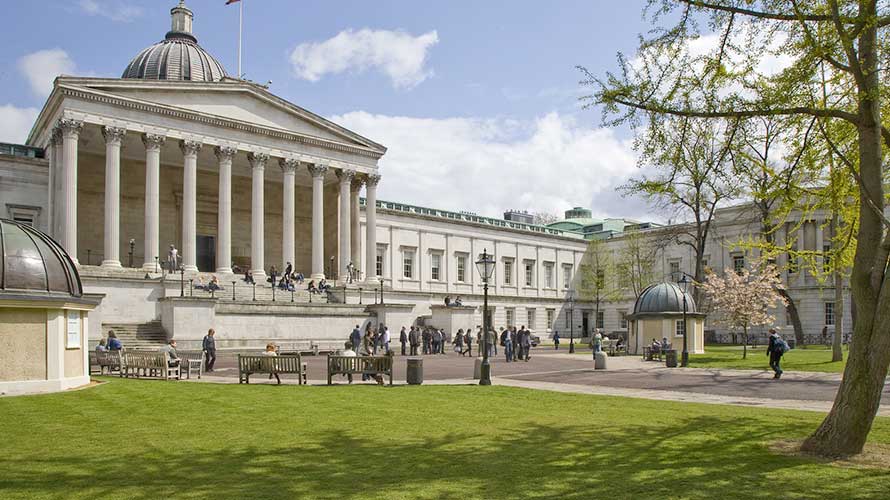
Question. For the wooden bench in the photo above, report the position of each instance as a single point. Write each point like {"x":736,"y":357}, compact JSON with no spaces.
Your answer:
{"x":650,"y":354}
{"x":191,"y":361}
{"x":273,"y":365}
{"x":148,"y":364}
{"x":359,"y":365}
{"x":105,"y":360}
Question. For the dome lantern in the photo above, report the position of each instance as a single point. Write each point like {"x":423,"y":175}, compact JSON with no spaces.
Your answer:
{"x":182,"y":22}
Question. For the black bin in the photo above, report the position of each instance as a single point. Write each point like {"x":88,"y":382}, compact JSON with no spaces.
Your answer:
{"x":415,"y":371}
{"x":670,"y":358}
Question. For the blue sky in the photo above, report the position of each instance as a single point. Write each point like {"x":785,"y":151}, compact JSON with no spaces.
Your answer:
{"x":462,"y":92}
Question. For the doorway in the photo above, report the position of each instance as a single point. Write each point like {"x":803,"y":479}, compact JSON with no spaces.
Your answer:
{"x":585,"y":324}
{"x":206,"y":253}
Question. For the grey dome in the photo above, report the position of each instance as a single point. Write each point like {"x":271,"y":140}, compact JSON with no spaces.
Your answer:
{"x":31,"y":263}
{"x":663,"y":298}
{"x":178,"y":56}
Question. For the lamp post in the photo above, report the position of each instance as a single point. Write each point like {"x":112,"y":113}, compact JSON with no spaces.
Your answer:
{"x":684,"y":285}
{"x":233,"y":291}
{"x":181,"y":281}
{"x":485,"y":266}
{"x":571,"y":322}
{"x":132,"y":249}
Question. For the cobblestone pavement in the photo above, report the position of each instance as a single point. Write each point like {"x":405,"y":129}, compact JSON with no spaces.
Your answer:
{"x":626,"y":376}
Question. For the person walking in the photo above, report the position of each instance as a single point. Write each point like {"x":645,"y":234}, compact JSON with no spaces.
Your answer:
{"x":775,"y":350}
{"x":208,"y":345}
{"x":525,"y":343}
{"x":468,"y":338}
{"x":414,"y":340}
{"x":427,"y":340}
{"x":507,"y":344}
{"x":356,"y":337}
{"x":403,"y":339}
{"x":385,"y":339}
{"x":597,"y":341}
{"x":556,"y":341}
{"x":436,"y":340}
{"x":459,"y":341}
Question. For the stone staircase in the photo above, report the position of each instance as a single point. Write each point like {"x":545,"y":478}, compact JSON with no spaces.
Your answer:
{"x":245,"y":292}
{"x":148,"y":336}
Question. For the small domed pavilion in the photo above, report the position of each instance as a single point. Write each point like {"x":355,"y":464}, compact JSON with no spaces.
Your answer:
{"x":658,"y":314}
{"x":43,"y":314}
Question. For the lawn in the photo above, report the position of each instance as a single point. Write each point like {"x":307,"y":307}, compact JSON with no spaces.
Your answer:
{"x":808,"y":358}
{"x":148,"y":439}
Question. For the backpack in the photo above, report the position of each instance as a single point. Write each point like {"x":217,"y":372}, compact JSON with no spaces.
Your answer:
{"x":780,"y":346}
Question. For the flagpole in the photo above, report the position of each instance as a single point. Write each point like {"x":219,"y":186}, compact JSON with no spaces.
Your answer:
{"x":240,"y":27}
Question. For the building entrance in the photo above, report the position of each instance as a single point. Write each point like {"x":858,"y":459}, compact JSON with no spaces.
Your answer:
{"x":206,"y":253}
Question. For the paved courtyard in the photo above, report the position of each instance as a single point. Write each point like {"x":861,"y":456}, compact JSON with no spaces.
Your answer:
{"x":626,"y":376}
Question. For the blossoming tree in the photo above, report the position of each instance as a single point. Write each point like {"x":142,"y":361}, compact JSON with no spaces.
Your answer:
{"x":744,"y":298}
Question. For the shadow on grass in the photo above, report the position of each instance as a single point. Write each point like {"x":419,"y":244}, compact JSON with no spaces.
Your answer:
{"x":493,"y":451}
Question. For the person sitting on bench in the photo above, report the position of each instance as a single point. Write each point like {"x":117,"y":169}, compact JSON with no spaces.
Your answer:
{"x":270,"y":351}
{"x":170,"y":349}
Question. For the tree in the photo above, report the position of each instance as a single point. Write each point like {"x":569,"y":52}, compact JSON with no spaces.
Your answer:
{"x":689,"y":162}
{"x":544,"y":218}
{"x":767,"y":61}
{"x":597,"y":274}
{"x":636,"y":259}
{"x":744,"y":299}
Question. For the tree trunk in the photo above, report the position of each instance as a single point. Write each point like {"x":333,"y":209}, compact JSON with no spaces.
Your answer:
{"x":837,"y":354}
{"x":745,"y":348}
{"x":846,"y":427}
{"x":791,"y":307}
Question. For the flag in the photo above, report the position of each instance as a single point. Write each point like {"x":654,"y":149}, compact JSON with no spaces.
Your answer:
{"x":229,"y":2}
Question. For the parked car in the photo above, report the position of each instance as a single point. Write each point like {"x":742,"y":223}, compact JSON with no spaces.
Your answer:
{"x":535,"y":340}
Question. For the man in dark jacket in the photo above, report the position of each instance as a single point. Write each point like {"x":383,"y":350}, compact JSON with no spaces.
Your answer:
{"x":356,"y":337}
{"x":403,"y":339}
{"x":775,"y":350}
{"x":525,"y":343}
{"x":209,"y":348}
{"x":414,"y":340}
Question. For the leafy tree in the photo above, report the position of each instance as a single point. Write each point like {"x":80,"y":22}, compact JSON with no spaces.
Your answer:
{"x":744,"y":298}
{"x":597,"y":276}
{"x":767,"y":60}
{"x":636,"y":259}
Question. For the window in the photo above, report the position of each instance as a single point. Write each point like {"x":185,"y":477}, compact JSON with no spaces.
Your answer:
{"x":435,"y":266}
{"x":566,"y":276}
{"x":530,"y":315}
{"x":379,"y":268}
{"x":826,"y":258}
{"x":601,"y":320}
{"x":674,"y":270}
{"x":24,"y":214}
{"x":511,"y":315}
{"x":548,"y":275}
{"x":681,"y":328}
{"x":738,"y":263}
{"x":408,"y":264}
{"x":529,"y":273}
{"x":508,"y":271}
{"x":462,"y":268}
{"x":623,"y":323}
{"x":829,"y":313}
{"x":550,"y":314}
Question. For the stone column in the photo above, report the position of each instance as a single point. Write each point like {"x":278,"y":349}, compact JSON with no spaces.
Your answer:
{"x":225,"y":155}
{"x":317,"y":170}
{"x":345,"y":177}
{"x":70,"y":134}
{"x":289,"y":168}
{"x":152,"y":242}
{"x":257,"y":217}
{"x":113,"y":138}
{"x":371,"y":229}
{"x":355,"y":243}
{"x":55,"y":165}
{"x":801,"y":247}
{"x":189,"y":203}
{"x":820,"y":243}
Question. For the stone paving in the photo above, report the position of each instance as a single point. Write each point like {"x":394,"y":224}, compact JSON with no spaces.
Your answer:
{"x":627,"y":376}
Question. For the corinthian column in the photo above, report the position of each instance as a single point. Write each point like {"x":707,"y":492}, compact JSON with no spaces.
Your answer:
{"x":225,"y":155}
{"x":189,"y":203}
{"x":152,"y":242}
{"x":257,"y":221}
{"x":70,"y":135}
{"x":356,"y":230}
{"x":371,"y":228}
{"x":289,"y":168}
{"x":345,"y":177}
{"x":55,"y":167}
{"x":317,"y":170}
{"x":113,"y":139}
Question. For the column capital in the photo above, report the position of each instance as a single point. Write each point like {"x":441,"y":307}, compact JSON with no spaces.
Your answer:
{"x":225,"y":153}
{"x":153,"y":141}
{"x":357,"y":182}
{"x":345,"y":175}
{"x":317,"y":169}
{"x":70,"y":127}
{"x":257,"y":160}
{"x":190,"y":148}
{"x":288,"y":165}
{"x":372,"y":180}
{"x":113,"y":135}
{"x":55,"y":137}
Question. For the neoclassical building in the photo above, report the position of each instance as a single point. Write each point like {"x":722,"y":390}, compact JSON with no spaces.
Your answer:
{"x":176,"y":152}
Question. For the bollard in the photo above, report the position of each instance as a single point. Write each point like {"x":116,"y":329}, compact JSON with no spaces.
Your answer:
{"x":254,"y":292}
{"x":233,"y":291}
{"x":191,"y":288}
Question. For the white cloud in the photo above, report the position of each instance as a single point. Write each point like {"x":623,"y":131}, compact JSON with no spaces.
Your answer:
{"x":15,"y":123}
{"x":400,"y":56}
{"x":42,"y":67}
{"x":117,"y":11}
{"x":486,"y":166}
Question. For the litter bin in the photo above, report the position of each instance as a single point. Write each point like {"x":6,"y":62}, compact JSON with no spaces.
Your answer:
{"x":670,"y":358}
{"x":415,"y":371}
{"x":599,"y":360}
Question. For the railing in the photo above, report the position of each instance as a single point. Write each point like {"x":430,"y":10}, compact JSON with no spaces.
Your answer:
{"x":239,"y":290}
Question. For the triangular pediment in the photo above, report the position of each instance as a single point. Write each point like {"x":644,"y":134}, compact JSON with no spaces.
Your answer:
{"x":232,"y":100}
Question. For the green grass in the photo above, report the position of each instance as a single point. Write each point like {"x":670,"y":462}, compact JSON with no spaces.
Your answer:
{"x":807,"y":358}
{"x":149,"y":439}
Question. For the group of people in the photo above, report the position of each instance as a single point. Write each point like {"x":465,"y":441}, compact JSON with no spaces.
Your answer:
{"x":516,"y":343}
{"x":453,"y":303}
{"x":111,"y":343}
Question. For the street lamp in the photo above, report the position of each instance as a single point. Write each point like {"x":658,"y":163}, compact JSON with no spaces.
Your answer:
{"x":571,"y":322}
{"x":485,"y":266}
{"x":684,"y":286}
